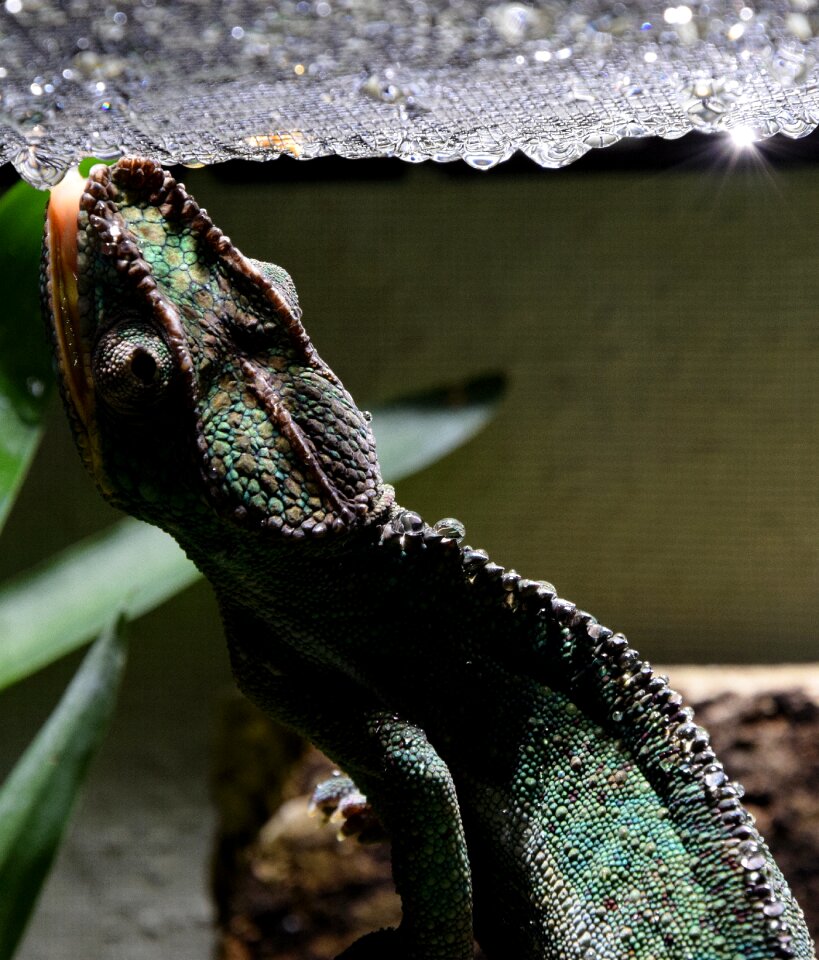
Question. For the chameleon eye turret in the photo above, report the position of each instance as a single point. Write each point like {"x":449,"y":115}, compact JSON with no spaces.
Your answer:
{"x":132,"y":368}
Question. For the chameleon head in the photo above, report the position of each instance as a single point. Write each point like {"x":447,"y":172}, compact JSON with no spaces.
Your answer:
{"x":188,"y":377}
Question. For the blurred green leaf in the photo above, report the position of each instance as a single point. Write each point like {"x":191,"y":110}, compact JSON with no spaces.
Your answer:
{"x":56,"y":607}
{"x":37,"y":797}
{"x":416,"y":430}
{"x":84,"y":166}
{"x":25,"y":365}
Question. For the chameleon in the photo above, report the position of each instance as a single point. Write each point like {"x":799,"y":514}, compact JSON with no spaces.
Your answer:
{"x":545,"y":791}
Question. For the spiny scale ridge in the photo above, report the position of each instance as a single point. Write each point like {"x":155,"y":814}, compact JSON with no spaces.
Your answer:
{"x":674,"y":752}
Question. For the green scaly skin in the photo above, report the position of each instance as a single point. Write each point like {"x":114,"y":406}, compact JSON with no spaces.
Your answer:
{"x":532,"y":771}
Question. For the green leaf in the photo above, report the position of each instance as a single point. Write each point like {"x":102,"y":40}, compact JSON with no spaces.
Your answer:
{"x":416,"y":430}
{"x":84,"y":166}
{"x":25,"y":364}
{"x":56,"y":607}
{"x":37,"y":798}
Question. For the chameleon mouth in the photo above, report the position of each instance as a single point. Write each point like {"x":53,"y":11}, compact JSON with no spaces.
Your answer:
{"x":61,"y":248}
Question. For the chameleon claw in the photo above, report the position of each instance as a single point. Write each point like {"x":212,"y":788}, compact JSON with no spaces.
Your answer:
{"x":338,"y":800}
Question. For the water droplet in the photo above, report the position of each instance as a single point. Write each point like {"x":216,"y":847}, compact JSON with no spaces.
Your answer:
{"x":799,"y":25}
{"x":450,"y":527}
{"x":516,"y":22}
{"x":553,"y":154}
{"x":35,"y":386}
{"x":794,"y":127}
{"x":791,"y":66}
{"x":39,"y":170}
{"x":483,"y":161}
{"x":755,"y":861}
{"x":707,"y":100}
{"x":381,"y":86}
{"x":601,"y":139}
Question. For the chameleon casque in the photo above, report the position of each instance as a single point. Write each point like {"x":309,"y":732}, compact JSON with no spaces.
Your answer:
{"x":532,"y":770}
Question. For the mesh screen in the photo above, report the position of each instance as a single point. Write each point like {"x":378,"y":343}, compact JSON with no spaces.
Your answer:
{"x":196,"y":81}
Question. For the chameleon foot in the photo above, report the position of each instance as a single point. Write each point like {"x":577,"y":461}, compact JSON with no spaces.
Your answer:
{"x":339,"y":799}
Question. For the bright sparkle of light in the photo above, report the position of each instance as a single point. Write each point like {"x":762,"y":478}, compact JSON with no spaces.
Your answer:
{"x":742,"y":137}
{"x":680,"y":14}
{"x":684,"y":14}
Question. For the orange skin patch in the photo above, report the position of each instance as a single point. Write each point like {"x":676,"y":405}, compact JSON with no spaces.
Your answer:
{"x":61,"y":237}
{"x":72,"y":354}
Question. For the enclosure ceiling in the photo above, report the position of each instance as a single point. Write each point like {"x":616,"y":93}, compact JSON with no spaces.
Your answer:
{"x":198,"y":82}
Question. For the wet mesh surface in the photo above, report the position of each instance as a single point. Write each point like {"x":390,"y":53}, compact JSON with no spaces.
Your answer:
{"x":197,"y":81}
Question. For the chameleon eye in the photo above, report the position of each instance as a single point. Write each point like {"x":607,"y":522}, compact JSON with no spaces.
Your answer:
{"x":132,"y":367}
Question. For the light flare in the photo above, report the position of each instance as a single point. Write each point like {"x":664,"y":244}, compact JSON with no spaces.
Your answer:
{"x":742,"y":137}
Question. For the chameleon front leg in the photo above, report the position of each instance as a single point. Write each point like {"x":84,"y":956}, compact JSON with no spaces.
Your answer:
{"x":410,"y":787}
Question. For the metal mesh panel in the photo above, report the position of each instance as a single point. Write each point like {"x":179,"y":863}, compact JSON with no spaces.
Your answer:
{"x":197,"y":81}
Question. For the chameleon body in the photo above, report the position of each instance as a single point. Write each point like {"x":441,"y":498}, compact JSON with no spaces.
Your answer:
{"x":532,"y":770}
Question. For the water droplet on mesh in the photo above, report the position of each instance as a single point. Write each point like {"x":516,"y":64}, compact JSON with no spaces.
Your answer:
{"x":555,"y":154}
{"x":516,"y":22}
{"x":101,"y":149}
{"x":794,"y":127}
{"x":791,"y":66}
{"x":602,"y":139}
{"x":40,"y":171}
{"x":483,"y":161}
{"x":383,"y":87}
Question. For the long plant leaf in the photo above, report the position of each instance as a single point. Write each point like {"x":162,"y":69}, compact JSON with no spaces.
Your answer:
{"x":25,"y":367}
{"x":416,"y":430}
{"x":38,"y":796}
{"x":59,"y":605}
